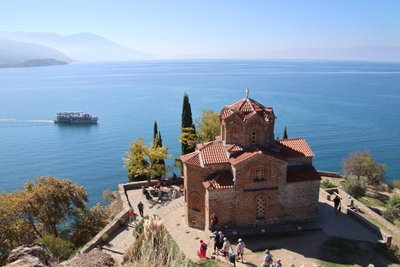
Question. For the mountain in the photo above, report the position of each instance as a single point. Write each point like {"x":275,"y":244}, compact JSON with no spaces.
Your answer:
{"x":84,"y":47}
{"x":20,"y":54}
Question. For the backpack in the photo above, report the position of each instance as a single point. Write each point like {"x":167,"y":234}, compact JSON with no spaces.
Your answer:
{"x":204,"y":246}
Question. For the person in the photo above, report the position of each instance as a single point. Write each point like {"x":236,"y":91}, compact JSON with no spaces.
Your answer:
{"x":174,"y":177}
{"x":216,"y":242}
{"x":267,"y":259}
{"x":132,"y":215}
{"x":221,"y":240}
{"x":213,"y":222}
{"x":225,"y":247}
{"x":203,"y":250}
{"x":232,"y":257}
{"x":240,"y":249}
{"x":278,"y":263}
{"x":336,"y":202}
{"x":140,"y":208}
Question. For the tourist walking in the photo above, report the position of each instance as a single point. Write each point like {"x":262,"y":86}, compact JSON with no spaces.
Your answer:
{"x":202,"y":250}
{"x":132,"y":215}
{"x":213,"y":222}
{"x":216,"y":242}
{"x":240,"y":250}
{"x":226,"y":247}
{"x":267,"y":260}
{"x":278,"y":263}
{"x":337,"y":204}
{"x":140,"y":208}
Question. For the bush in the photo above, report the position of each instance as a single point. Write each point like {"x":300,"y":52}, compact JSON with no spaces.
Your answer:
{"x":62,"y":249}
{"x":391,"y":214}
{"x":327,"y":184}
{"x":139,"y":227}
{"x":362,"y":164}
{"x":355,"y":186}
{"x":105,"y":237}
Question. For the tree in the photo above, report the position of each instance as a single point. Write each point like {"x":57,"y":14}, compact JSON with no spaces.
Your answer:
{"x":355,"y":186}
{"x":155,"y":134}
{"x":188,"y":139}
{"x":145,"y":162}
{"x":88,"y":223}
{"x":209,"y":126}
{"x":48,"y":203}
{"x":285,"y":136}
{"x":362,"y":164}
{"x":187,"y":127}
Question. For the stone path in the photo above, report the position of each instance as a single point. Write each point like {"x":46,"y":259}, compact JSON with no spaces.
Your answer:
{"x":300,"y":249}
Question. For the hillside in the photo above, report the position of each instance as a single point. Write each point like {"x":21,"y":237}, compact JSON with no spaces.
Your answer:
{"x":23,"y":54}
{"x":85,"y":47}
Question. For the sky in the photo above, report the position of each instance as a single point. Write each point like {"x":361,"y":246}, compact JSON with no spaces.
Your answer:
{"x":172,"y":27}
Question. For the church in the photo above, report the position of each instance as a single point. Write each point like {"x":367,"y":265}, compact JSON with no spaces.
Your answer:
{"x":247,"y":177}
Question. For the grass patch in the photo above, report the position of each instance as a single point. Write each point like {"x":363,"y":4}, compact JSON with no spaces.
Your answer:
{"x":347,"y":252}
{"x":371,"y":201}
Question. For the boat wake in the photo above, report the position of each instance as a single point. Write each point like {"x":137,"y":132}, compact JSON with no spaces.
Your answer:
{"x":30,"y":121}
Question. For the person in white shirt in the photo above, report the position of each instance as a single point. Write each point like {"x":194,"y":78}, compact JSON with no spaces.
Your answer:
{"x":240,"y":249}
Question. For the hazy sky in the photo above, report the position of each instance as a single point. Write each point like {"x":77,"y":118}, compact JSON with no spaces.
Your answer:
{"x":170,"y":27}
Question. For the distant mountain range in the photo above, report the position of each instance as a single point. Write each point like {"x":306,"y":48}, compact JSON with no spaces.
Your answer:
{"x":19,"y":47}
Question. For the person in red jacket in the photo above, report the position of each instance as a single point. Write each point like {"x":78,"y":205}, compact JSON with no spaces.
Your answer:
{"x":203,"y":250}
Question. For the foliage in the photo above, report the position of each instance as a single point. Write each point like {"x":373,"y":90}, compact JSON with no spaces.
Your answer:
{"x":362,"y":164}
{"x":327,"y":184}
{"x":48,"y":203}
{"x":188,"y":137}
{"x":109,"y":195}
{"x":48,"y":207}
{"x":395,"y":184}
{"x":154,"y":247}
{"x":140,"y":226}
{"x":60,"y":248}
{"x":209,"y":126}
{"x":157,"y":142}
{"x":207,"y":263}
{"x":355,"y":186}
{"x":88,"y":223}
{"x":392,"y":212}
{"x":14,"y":231}
{"x":145,"y":162}
{"x":285,"y":136}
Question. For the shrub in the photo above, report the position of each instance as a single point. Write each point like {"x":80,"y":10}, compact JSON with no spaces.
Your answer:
{"x":355,"y":186}
{"x":362,"y":164}
{"x":391,"y":214}
{"x":62,"y":249}
{"x":327,"y":184}
{"x":139,"y":227}
{"x":105,"y":237}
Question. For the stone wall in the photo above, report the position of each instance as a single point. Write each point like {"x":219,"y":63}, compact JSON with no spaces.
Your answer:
{"x":301,"y":201}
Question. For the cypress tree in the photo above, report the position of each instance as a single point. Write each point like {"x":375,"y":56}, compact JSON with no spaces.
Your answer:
{"x":188,"y":137}
{"x":155,"y":134}
{"x":285,"y":134}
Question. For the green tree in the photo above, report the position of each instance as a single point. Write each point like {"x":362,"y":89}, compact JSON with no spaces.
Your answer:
{"x":155,"y":134}
{"x":209,"y":126}
{"x":362,"y":164}
{"x":392,"y":211}
{"x":187,"y":127}
{"x":145,"y":161}
{"x":48,"y":203}
{"x":60,"y":248}
{"x":285,"y":136}
{"x":355,"y":186}
{"x":88,"y":223}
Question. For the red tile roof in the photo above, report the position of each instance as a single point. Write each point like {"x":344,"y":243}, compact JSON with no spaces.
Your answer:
{"x":192,"y":159}
{"x":294,"y":148}
{"x":247,"y":108}
{"x":214,"y":153}
{"x":240,"y":157}
{"x":307,"y":173}
{"x":218,"y":180}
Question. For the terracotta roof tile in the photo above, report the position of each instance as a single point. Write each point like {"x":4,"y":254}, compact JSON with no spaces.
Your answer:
{"x":214,"y":153}
{"x":218,"y":180}
{"x":246,"y":108}
{"x":302,"y":174}
{"x":191,"y":159}
{"x":240,"y":157}
{"x":294,"y":148}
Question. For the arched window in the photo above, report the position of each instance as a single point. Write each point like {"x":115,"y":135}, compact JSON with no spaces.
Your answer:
{"x":260,"y":207}
{"x":253,"y":137}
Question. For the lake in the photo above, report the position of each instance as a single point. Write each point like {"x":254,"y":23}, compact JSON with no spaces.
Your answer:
{"x":339,"y":107}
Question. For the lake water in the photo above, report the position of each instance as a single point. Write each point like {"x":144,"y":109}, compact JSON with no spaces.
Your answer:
{"x":339,"y":107}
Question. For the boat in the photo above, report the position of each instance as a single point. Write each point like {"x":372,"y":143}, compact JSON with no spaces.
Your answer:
{"x":75,"y":117}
